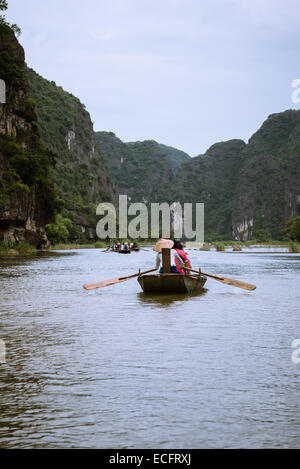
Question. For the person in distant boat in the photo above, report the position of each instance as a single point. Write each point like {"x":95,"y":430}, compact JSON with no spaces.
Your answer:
{"x":125,"y":247}
{"x":118,"y":245}
{"x":187,"y":263}
{"x":174,"y":256}
{"x":114,"y":246}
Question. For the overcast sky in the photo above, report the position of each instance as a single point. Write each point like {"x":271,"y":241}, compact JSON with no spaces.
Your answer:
{"x":187,"y":73}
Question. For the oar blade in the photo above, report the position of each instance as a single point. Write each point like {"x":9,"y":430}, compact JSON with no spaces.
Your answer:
{"x":105,"y":283}
{"x":237,"y":283}
{"x":112,"y":281}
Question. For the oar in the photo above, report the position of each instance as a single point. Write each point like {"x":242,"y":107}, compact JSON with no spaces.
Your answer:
{"x":112,"y":281}
{"x":228,"y":281}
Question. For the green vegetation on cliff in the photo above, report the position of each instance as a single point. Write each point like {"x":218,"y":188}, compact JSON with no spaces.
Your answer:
{"x":176,"y":157}
{"x":14,"y":27}
{"x":268,"y":190}
{"x":249,"y":190}
{"x":211,"y":179}
{"x":27,"y":193}
{"x":143,"y":170}
{"x":292,"y":229}
{"x":27,"y":171}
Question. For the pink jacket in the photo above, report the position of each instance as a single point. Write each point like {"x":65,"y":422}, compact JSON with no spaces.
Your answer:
{"x":184,"y":257}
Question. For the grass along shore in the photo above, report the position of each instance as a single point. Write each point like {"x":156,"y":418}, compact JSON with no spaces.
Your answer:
{"x":24,"y":248}
{"x":219,"y":246}
{"x":98,"y":244}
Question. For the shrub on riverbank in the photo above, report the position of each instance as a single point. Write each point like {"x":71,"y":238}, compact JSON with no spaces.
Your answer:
{"x":21,"y":248}
{"x":292,"y":229}
{"x":294,"y":247}
{"x":220,"y":246}
{"x":205,"y":247}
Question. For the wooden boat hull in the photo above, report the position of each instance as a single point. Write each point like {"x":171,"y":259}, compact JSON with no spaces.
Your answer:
{"x":124,"y":252}
{"x":171,"y":283}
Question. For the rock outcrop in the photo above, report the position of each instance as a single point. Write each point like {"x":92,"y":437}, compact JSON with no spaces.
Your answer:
{"x":27,"y":195}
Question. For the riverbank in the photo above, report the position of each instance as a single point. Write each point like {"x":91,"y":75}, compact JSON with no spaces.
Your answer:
{"x":238,"y":246}
{"x":98,"y":245}
{"x":220,"y":246}
{"x":19,"y":249}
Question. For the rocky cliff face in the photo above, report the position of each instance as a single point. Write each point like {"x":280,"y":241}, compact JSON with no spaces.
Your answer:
{"x":80,"y":172}
{"x":27,"y":196}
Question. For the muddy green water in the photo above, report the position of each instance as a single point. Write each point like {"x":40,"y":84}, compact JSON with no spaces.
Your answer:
{"x":116,"y":368}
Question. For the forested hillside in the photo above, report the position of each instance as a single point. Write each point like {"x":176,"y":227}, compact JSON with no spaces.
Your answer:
{"x":212,"y":179}
{"x":268,"y":189}
{"x":143,"y":170}
{"x":248,"y":190}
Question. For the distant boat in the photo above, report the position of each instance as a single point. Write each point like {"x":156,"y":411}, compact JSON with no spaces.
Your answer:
{"x":125,"y":251}
{"x":171,"y":283}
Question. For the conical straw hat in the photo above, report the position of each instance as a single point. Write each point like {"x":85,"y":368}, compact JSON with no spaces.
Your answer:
{"x":163,"y":243}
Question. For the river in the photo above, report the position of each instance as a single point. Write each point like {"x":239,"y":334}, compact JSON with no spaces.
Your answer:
{"x":115,"y":368}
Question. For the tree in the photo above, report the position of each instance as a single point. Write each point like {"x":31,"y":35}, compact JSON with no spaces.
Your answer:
{"x":292,"y":229}
{"x":263,"y":236}
{"x":14,"y":27}
{"x":3,"y":5}
{"x":58,"y":232}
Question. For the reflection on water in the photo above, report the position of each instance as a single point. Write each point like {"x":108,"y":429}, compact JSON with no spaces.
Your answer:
{"x":165,"y":299}
{"x":119,"y":368}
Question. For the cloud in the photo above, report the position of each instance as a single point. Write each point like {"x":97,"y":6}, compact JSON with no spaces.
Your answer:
{"x":185,"y":72}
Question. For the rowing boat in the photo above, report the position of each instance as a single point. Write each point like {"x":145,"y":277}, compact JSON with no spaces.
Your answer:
{"x":125,"y":251}
{"x":171,"y":283}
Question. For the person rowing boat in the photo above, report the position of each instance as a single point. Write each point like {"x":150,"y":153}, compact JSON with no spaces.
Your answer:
{"x":187,"y":263}
{"x":134,"y":246}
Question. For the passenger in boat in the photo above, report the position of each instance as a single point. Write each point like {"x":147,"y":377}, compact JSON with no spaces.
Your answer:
{"x":187,"y":263}
{"x":174,"y":256}
{"x":125,"y":247}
